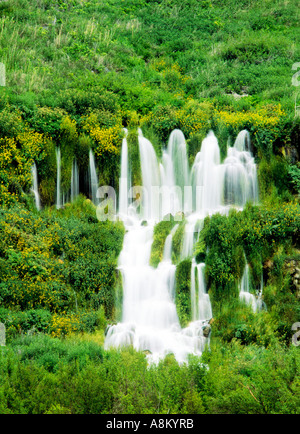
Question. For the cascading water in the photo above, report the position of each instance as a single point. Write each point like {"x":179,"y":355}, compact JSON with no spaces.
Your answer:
{"x":150,"y":321}
{"x":149,"y":318}
{"x":58,"y":178}
{"x":201,"y":306}
{"x":240,"y":178}
{"x":245,"y":294}
{"x":35,"y":187}
{"x":261,"y":305}
{"x":124,"y":180}
{"x":151,"y":180}
{"x":94,"y":184}
{"x":209,"y":176}
{"x":74,"y":181}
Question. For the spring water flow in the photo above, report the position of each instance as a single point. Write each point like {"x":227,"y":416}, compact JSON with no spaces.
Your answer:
{"x":58,"y":178}
{"x":246,"y":296}
{"x":124,"y":180}
{"x":149,"y":317}
{"x":35,"y":187}
{"x":74,"y":181}
{"x":94,"y":184}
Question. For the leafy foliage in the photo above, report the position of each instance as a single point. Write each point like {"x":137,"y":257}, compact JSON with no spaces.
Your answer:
{"x":63,"y":265}
{"x":43,"y":375}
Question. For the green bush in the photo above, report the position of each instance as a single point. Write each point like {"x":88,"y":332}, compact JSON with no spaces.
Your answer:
{"x":182,"y":291}
{"x":79,"y":102}
{"x":294,"y":174}
{"x":47,"y":120}
{"x":68,"y":260}
{"x":11,"y":122}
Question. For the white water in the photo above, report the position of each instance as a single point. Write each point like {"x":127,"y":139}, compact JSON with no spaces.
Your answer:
{"x":240,"y":178}
{"x":35,"y":187}
{"x":151,"y":180}
{"x":149,"y":320}
{"x":124,"y":180}
{"x":201,"y":307}
{"x":261,"y":305}
{"x":74,"y":181}
{"x":94,"y":184}
{"x":256,"y":302}
{"x":58,"y":178}
{"x":245,"y":295}
{"x":207,"y":177}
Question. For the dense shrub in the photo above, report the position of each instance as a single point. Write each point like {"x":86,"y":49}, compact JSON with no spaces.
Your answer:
{"x":252,"y":235}
{"x":44,"y":375}
{"x":182,"y":291}
{"x":58,"y":264}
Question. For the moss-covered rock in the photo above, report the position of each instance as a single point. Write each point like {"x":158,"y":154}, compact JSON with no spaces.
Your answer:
{"x":161,"y":231}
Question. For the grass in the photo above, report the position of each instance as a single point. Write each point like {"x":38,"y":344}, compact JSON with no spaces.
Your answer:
{"x":243,"y":47}
{"x":97,"y":337}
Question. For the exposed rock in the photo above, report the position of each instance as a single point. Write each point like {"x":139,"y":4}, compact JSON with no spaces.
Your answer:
{"x":206,"y":331}
{"x":237,"y":96}
{"x":291,"y":152}
{"x":179,"y":216}
{"x":293,"y":268}
{"x":268,"y":264}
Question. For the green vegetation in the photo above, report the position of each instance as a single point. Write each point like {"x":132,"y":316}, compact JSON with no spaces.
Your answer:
{"x":57,"y":271}
{"x":148,"y":51}
{"x":182,"y":292}
{"x":161,"y":231}
{"x":77,"y":73}
{"x":43,"y":375}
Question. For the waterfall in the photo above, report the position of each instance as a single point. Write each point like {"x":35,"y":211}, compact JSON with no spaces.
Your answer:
{"x":261,"y":305}
{"x":94,"y":184}
{"x":150,"y":321}
{"x":242,"y":141}
{"x":167,"y":255}
{"x":175,"y":176}
{"x":125,"y":179}
{"x":35,"y":188}
{"x":245,"y":294}
{"x":212,"y":175}
{"x":177,"y":152}
{"x":149,"y":318}
{"x":58,"y":178}
{"x":240,"y":178}
{"x":201,"y":306}
{"x":151,"y":180}
{"x":74,"y":181}
{"x":193,"y":226}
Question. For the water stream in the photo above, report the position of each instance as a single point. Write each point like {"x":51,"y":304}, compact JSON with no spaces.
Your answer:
{"x":35,"y":187}
{"x":74,"y":181}
{"x":58,"y":178}
{"x":94,"y":184}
